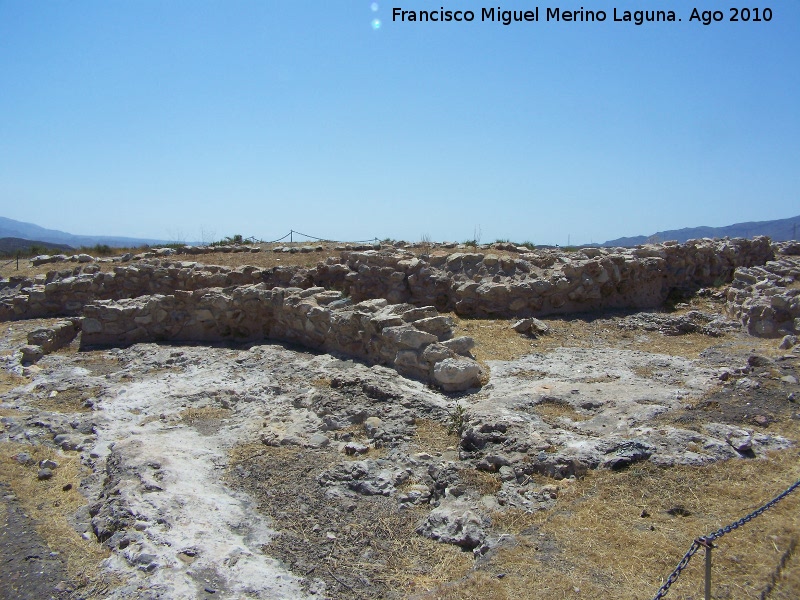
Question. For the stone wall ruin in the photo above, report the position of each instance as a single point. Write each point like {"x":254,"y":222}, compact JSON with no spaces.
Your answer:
{"x":470,"y":284}
{"x":417,"y":342}
{"x":383,"y":306}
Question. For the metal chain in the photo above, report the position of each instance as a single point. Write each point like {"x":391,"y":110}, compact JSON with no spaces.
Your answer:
{"x":662,"y":591}
{"x":746,"y":519}
{"x":703,"y":541}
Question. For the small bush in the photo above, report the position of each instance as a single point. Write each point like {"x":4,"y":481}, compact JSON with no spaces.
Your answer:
{"x":231,"y":239}
{"x":457,"y":421}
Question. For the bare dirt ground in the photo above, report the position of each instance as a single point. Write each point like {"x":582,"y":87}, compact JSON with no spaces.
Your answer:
{"x":267,"y":471}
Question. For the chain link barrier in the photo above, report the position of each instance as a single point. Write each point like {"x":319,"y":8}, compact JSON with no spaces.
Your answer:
{"x":704,"y":541}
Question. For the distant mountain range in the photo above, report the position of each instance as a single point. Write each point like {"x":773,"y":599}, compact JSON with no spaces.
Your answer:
{"x":779,"y":230}
{"x":9,"y":228}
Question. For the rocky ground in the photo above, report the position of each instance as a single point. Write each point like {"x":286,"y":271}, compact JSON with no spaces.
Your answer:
{"x":267,"y":471}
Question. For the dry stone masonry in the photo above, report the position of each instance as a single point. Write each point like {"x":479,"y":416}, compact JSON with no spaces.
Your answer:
{"x":471,"y":284}
{"x":766,"y":299}
{"x":383,"y":306}
{"x":417,"y":342}
{"x":355,"y":303}
{"x":159,"y":426}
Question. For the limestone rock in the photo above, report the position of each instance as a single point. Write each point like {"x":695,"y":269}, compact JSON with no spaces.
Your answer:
{"x":460,"y":345}
{"x":457,"y":374}
{"x":531,"y":326}
{"x":31,"y":354}
{"x":454,"y":522}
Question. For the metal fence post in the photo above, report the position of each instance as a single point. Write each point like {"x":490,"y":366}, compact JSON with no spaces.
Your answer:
{"x":708,"y":546}
{"x":707,"y":543}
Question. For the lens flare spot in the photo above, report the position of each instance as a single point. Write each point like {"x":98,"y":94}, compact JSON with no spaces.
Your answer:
{"x":376,"y":23}
{"x":374,"y":7}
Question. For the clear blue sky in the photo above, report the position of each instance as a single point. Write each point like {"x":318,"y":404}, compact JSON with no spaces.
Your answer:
{"x":196,"y":118}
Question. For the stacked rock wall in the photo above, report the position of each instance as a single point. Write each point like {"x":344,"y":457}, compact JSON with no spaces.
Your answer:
{"x":418,"y":342}
{"x":542,"y":283}
{"x":472,"y":284}
{"x":767,"y":299}
{"x":67,"y":292}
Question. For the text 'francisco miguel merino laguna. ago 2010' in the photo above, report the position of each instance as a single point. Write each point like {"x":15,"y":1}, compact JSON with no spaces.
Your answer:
{"x":547,"y":14}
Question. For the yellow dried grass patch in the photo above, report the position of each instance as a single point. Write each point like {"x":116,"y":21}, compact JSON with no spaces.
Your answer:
{"x":403,"y":561}
{"x":550,"y":410}
{"x":597,"y":544}
{"x":206,"y":413}
{"x":9,"y":381}
{"x":483,"y":482}
{"x":494,"y":338}
{"x":65,"y":401}
{"x":50,"y":506}
{"x":432,"y":437}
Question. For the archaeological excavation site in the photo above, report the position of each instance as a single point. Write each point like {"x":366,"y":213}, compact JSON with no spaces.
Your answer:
{"x":400,"y":420}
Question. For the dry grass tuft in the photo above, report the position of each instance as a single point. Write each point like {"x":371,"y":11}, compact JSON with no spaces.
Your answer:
{"x":485,"y":483}
{"x":50,"y":507}
{"x":610,"y":536}
{"x":206,"y":413}
{"x":419,"y":564}
{"x":432,"y":437}
{"x":65,"y":401}
{"x":515,"y":521}
{"x":494,"y":338}
{"x":555,"y":408}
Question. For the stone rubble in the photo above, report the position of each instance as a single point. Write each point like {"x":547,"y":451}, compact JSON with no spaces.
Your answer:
{"x":766,"y":299}
{"x":45,"y":340}
{"x":694,"y":321}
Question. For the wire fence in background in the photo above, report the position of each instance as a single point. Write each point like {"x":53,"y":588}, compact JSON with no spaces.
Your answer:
{"x":707,"y":543}
{"x":292,"y":232}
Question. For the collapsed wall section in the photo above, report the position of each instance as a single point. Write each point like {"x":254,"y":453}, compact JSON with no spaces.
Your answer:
{"x":767,"y":299}
{"x":417,"y":342}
